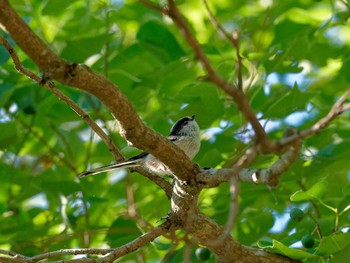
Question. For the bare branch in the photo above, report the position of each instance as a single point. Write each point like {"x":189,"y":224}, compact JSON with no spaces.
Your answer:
{"x":270,"y":176}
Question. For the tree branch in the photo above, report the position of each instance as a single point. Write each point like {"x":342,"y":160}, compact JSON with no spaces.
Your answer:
{"x":234,"y":40}
{"x":338,"y":108}
{"x":110,"y":254}
{"x":226,"y":249}
{"x":155,"y":7}
{"x":237,"y":95}
{"x":84,"y":115}
{"x":52,"y":88}
{"x":269,"y":176}
{"x":137,"y":243}
{"x":74,"y":75}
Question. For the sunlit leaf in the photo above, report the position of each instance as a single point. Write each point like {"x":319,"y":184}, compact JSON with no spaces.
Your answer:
{"x":333,"y":243}
{"x":279,"y":248}
{"x":316,"y":191}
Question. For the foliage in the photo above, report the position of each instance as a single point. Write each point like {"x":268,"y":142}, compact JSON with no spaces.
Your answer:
{"x":295,"y":66}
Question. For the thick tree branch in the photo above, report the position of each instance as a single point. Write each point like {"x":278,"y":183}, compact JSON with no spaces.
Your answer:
{"x":269,"y":176}
{"x":185,"y":215}
{"x":226,"y":249}
{"x":74,"y":75}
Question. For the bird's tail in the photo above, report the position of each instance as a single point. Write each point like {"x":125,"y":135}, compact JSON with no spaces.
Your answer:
{"x":126,"y":164}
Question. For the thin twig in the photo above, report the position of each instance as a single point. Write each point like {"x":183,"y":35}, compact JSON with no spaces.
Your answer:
{"x":111,"y":254}
{"x":234,"y":206}
{"x":132,"y":211}
{"x":235,"y":188}
{"x":313,"y":204}
{"x":337,"y":109}
{"x":153,"y":6}
{"x":11,"y":253}
{"x":137,"y":243}
{"x":217,"y":25}
{"x":269,"y":176}
{"x":234,"y":40}
{"x":317,"y":225}
{"x":47,"y":145}
{"x":239,"y":60}
{"x":52,"y":87}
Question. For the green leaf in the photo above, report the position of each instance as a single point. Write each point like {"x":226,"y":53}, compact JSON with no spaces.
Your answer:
{"x":4,"y":55}
{"x":289,"y":102}
{"x":6,"y":92}
{"x":8,"y":134}
{"x":253,"y":226}
{"x":339,"y":257}
{"x":55,"y":7}
{"x":333,"y":244}
{"x":121,"y":232}
{"x":84,"y":47}
{"x":160,"y":41}
{"x":346,"y":190}
{"x":315,"y":192}
{"x":204,"y":101}
{"x":58,"y":187}
{"x":279,"y":248}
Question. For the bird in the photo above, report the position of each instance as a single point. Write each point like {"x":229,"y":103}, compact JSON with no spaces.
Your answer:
{"x":185,"y":133}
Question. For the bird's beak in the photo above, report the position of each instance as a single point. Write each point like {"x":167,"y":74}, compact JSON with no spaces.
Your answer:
{"x":192,"y":117}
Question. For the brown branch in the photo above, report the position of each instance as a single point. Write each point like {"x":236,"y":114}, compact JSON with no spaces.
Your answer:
{"x":75,"y":75}
{"x":217,"y":25}
{"x":153,"y":6}
{"x":137,"y":243}
{"x":317,"y":225}
{"x":234,"y":40}
{"x":269,"y":176}
{"x":239,"y":60}
{"x":97,"y":129}
{"x":41,"y":139}
{"x":52,"y":88}
{"x":234,"y":206}
{"x":237,"y":95}
{"x":338,"y":108}
{"x":110,"y":254}
{"x":228,"y":250}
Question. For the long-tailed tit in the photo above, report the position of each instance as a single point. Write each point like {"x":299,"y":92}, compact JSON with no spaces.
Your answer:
{"x":185,"y":134}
